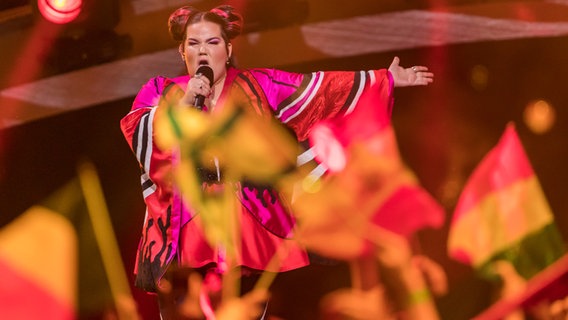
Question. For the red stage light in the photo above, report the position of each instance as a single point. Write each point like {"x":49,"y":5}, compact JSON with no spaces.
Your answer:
{"x":60,"y":11}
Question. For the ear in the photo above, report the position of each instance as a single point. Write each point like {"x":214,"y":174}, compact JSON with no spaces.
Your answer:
{"x":181,"y":50}
{"x":229,"y":50}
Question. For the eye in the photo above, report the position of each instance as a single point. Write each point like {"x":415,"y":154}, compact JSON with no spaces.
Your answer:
{"x":214,"y":41}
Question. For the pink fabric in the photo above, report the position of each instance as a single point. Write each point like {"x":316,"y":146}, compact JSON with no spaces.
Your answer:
{"x":265,"y":205}
{"x":408,"y":210}
{"x":258,"y":246}
{"x":265,"y":78}
{"x":371,"y":116}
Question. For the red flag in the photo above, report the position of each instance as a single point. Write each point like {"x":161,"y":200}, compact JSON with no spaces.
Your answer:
{"x":38,"y":263}
{"x":50,"y":262}
{"x":502,"y":213}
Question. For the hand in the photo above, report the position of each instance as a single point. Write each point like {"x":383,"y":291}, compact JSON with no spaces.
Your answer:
{"x":392,"y":251}
{"x":357,"y":304}
{"x":406,"y":77}
{"x":178,"y":301}
{"x":197,"y":85}
{"x":434,"y":274}
{"x":251,"y":306}
{"x":513,"y":283}
{"x":403,"y":271}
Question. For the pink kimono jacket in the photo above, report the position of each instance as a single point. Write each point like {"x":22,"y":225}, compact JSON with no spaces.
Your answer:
{"x":296,"y":100}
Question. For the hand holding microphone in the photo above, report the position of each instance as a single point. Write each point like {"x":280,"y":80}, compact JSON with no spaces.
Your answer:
{"x":207,"y":72}
{"x":207,"y":174}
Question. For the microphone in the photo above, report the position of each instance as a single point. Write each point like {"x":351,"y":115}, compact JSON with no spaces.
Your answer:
{"x":207,"y":72}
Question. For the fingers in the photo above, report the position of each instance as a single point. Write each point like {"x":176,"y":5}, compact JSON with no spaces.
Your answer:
{"x":419,"y":69}
{"x":250,"y":306}
{"x":559,"y":309}
{"x":513,"y":283}
{"x":391,"y":249}
{"x":394,"y":63}
{"x":433,"y":273}
{"x":422,"y":71}
{"x":202,"y":79}
{"x":423,"y":77}
{"x":199,"y":85}
{"x":189,"y":306}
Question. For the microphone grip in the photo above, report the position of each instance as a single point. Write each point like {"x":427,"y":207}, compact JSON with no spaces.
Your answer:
{"x":207,"y":72}
{"x":199,"y":101}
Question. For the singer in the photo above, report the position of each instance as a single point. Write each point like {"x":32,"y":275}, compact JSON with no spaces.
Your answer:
{"x":171,"y":232}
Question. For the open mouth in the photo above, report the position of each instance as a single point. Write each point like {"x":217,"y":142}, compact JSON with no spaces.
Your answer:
{"x":203,"y":62}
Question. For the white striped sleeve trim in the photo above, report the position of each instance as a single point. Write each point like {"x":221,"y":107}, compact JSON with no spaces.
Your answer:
{"x":372,"y":77}
{"x":318,"y":171}
{"x":300,"y":97}
{"x":146,"y":139}
{"x":361,"y":87}
{"x":147,"y":190}
{"x":305,"y":157}
{"x":312,"y":90}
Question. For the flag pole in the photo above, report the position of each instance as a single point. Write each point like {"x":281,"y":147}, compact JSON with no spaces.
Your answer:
{"x":106,"y":240}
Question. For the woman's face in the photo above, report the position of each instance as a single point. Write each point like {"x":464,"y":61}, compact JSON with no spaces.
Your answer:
{"x":205,"y":45}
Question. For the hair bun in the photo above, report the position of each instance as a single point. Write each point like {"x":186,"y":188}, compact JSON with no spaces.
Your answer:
{"x":177,"y":22}
{"x":233,"y":20}
{"x":224,"y":15}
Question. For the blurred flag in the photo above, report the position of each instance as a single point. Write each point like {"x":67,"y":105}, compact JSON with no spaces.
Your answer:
{"x":50,"y":263}
{"x":368,"y":184}
{"x":229,"y":144}
{"x":251,"y":146}
{"x":38,"y":264}
{"x":246,"y":143}
{"x":502,"y":214}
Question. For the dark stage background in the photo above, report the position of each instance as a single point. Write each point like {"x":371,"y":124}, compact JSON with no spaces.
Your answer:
{"x":443,"y":132}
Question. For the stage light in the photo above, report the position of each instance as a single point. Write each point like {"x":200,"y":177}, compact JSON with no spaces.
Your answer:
{"x":77,"y":16}
{"x":539,"y":116}
{"x":60,"y":11}
{"x":78,"y":33}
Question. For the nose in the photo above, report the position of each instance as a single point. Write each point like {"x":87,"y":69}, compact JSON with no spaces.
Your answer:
{"x":202,"y":49}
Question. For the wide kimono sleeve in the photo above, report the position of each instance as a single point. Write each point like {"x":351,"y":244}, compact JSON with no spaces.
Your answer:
{"x":158,"y":243}
{"x":301,"y":100}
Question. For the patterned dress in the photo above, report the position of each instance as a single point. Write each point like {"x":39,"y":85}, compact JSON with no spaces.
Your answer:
{"x":172,"y":230}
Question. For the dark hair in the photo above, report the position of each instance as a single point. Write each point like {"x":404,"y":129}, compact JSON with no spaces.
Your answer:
{"x":230,"y":21}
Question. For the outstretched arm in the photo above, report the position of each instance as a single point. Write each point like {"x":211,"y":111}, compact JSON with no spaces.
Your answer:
{"x":406,"y":77}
